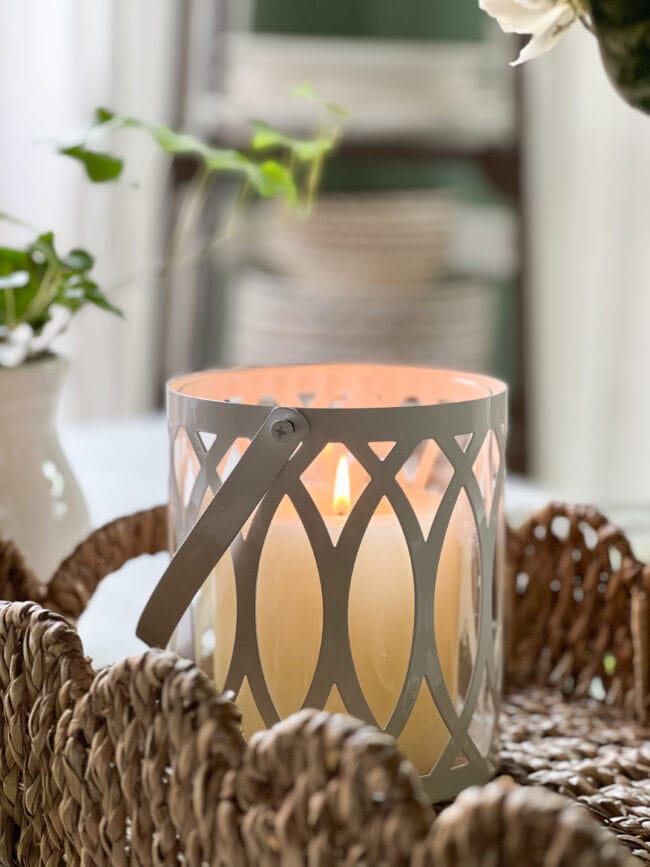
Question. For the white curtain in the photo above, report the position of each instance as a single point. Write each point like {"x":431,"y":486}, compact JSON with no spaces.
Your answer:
{"x":58,"y":61}
{"x":589,"y":310}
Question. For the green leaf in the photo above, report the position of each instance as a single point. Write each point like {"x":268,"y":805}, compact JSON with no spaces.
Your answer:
{"x":104,"y":115}
{"x":19,"y":278}
{"x":100,"y":167}
{"x":305,"y":150}
{"x":276,"y":180}
{"x":77,"y":291}
{"x":226,"y":160}
{"x":307,"y":91}
{"x":176,"y":143}
{"x":13,"y":260}
{"x":42,"y":250}
{"x":96,"y":296}
{"x":337,"y":110}
{"x":38,"y":277}
{"x":314,"y":150}
{"x":214,"y":159}
{"x":78,"y":260}
{"x":265,"y":137}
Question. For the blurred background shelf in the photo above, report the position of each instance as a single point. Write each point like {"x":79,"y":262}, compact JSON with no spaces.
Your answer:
{"x":395,"y":92}
{"x":412,"y":253}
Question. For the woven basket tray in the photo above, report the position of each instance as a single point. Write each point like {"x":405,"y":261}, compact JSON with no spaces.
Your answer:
{"x":144,"y":763}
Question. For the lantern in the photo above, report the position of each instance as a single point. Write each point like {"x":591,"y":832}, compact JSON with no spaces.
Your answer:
{"x":338,"y":532}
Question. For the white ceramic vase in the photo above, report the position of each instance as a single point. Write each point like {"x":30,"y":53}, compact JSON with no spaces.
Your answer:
{"x":42,"y":508}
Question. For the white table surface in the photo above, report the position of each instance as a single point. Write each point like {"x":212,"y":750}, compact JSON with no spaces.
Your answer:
{"x":122,"y":467}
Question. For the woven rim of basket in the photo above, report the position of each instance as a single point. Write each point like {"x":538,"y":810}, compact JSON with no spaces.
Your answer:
{"x":378,"y":804}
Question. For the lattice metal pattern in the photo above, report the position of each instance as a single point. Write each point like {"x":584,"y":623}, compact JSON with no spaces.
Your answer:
{"x":390,"y":611}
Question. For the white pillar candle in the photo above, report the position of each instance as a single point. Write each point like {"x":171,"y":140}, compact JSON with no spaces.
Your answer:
{"x":289,"y":614}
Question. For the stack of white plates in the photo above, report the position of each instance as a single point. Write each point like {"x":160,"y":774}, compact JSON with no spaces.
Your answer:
{"x":379,"y":244}
{"x":278,"y":320}
{"x":462,"y":91}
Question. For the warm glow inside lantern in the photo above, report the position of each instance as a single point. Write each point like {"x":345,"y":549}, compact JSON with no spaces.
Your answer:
{"x":362,"y":567}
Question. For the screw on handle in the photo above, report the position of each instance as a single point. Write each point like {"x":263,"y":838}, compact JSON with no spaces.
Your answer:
{"x":282,"y":429}
{"x":272,"y":446}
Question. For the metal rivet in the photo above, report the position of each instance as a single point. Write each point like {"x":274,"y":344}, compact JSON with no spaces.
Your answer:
{"x":282,"y":429}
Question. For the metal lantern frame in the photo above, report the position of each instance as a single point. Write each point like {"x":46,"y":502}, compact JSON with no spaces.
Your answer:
{"x":284,"y":441}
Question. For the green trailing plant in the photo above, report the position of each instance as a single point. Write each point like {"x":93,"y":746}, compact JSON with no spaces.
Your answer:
{"x":40,"y":289}
{"x":34,"y":278}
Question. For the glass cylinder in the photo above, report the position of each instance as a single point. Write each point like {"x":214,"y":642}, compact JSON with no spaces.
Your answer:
{"x":366,"y":579}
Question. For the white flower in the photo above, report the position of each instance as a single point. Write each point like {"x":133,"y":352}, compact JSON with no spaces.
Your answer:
{"x":16,"y":348}
{"x":11,"y":356}
{"x":545,"y":20}
{"x":19,"y":343}
{"x":59,"y":320}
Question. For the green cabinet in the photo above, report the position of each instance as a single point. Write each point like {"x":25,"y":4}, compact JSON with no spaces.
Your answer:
{"x":383,"y":19}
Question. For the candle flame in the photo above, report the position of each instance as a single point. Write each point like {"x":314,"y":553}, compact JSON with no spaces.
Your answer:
{"x":341,"y":498}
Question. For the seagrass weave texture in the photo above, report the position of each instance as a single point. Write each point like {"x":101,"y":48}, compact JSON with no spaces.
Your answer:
{"x":144,"y":762}
{"x":577,"y":606}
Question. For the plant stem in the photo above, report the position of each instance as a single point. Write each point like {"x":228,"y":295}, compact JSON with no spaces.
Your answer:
{"x":10,"y":307}
{"x":190,"y":211}
{"x":45,"y":294}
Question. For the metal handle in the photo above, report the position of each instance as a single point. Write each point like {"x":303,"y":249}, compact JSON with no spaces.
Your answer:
{"x":270,"y":449}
